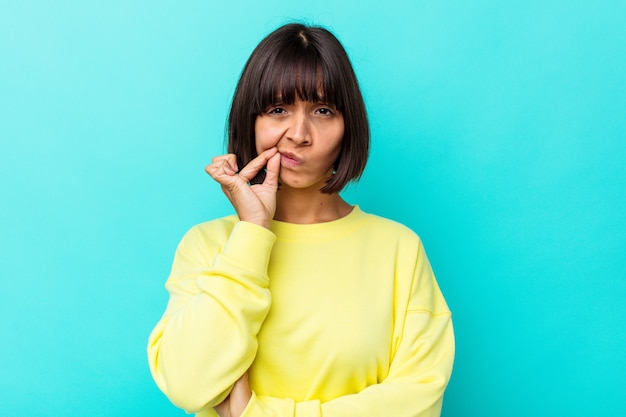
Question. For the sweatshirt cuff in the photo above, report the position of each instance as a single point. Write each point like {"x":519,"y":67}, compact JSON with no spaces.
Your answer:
{"x":249,"y":246}
{"x":262,"y":406}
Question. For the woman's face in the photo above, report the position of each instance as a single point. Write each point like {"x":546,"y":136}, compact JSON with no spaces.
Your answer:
{"x":308,"y":136}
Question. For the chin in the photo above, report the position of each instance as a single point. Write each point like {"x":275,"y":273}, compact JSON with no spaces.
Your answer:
{"x":299,"y":185}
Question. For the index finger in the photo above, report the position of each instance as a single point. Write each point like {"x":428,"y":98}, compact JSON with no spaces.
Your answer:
{"x":253,"y":167}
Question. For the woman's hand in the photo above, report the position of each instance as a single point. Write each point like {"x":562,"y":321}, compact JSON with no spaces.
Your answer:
{"x":237,"y":400}
{"x":253,"y":203}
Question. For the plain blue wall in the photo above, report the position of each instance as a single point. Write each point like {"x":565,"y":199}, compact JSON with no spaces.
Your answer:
{"x":498,"y":135}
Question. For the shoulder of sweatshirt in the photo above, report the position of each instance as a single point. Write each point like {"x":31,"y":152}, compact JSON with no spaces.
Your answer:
{"x":392,"y":229}
{"x":222,"y":226}
{"x":212,"y":236}
{"x":208,"y":236}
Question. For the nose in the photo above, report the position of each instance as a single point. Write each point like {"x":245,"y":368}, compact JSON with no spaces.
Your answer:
{"x":299,"y":129}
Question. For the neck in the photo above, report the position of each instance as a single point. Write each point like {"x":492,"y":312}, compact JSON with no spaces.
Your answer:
{"x":306,"y":207}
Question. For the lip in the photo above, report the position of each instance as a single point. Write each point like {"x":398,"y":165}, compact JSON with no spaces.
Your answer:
{"x":289,"y":159}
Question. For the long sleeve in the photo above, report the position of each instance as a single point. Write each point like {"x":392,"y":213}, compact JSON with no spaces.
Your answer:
{"x":219,"y":298}
{"x":421,"y":362}
{"x":417,"y":395}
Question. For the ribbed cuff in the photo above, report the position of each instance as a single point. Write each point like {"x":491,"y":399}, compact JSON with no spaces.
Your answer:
{"x":249,"y":247}
{"x":262,"y":406}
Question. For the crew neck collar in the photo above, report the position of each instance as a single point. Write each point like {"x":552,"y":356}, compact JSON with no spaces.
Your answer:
{"x":318,"y":231}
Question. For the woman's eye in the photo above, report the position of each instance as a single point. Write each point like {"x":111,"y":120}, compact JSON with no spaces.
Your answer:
{"x":276,"y":110}
{"x":324,"y":111}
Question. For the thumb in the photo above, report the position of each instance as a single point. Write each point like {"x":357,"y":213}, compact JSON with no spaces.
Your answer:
{"x":272,"y":171}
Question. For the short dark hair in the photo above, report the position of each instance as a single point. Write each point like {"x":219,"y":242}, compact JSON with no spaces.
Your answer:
{"x":295,"y":61}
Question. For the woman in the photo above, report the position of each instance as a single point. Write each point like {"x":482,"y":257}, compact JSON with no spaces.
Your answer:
{"x":301,"y":304}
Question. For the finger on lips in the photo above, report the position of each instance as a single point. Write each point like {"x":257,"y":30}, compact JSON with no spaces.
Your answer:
{"x":273,"y":167}
{"x":226,"y":165}
{"x":253,"y":167}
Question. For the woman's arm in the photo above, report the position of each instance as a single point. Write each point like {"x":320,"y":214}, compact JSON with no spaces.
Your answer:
{"x":219,"y":298}
{"x":218,"y":291}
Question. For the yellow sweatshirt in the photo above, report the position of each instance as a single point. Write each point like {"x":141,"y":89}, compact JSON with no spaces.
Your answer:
{"x":337,"y":319}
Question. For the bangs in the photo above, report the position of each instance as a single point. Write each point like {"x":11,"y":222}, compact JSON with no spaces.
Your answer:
{"x":297,"y":72}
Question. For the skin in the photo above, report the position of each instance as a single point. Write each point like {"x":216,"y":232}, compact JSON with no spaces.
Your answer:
{"x":237,"y":400}
{"x":308,"y":136}
{"x":297,"y":144}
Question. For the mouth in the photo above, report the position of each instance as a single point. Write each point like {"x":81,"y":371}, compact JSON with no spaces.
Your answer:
{"x":289,"y":159}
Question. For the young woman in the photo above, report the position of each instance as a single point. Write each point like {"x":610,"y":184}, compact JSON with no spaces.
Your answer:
{"x":301,"y":304}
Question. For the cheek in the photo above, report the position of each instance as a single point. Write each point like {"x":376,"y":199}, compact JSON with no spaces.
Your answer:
{"x":264,"y":135}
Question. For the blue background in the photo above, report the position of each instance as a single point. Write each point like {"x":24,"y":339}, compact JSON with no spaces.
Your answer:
{"x":498,"y":135}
